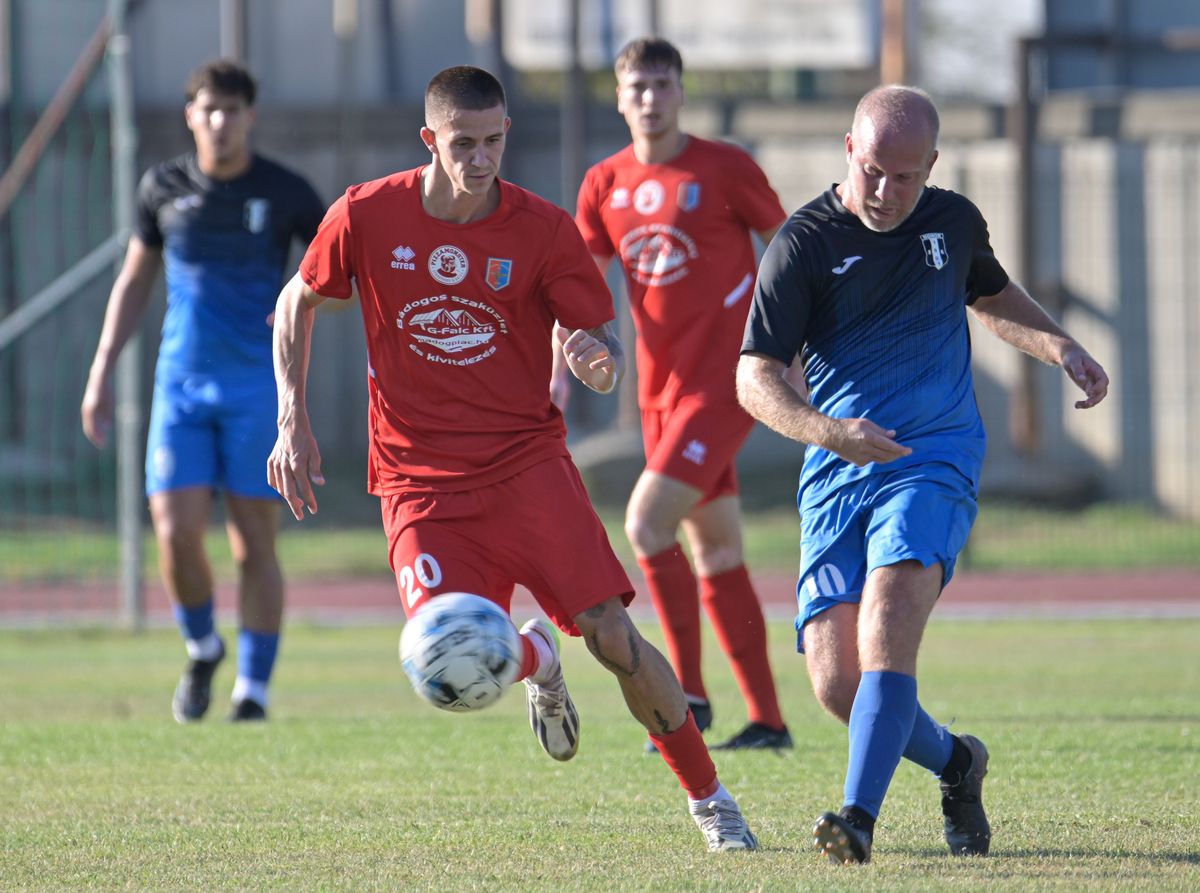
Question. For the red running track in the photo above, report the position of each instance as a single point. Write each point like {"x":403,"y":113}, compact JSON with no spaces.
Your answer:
{"x":1170,"y":593}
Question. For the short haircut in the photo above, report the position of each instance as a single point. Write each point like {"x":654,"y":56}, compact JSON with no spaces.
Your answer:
{"x":895,"y":106}
{"x":650,"y":53}
{"x":462,"y":87}
{"x":223,"y":76}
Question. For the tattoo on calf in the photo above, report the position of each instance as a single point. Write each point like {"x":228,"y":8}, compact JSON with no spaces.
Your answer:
{"x":634,"y":646}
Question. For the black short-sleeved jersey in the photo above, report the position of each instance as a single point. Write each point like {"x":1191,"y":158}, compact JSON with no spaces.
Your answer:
{"x":879,"y":320}
{"x":225,"y":244}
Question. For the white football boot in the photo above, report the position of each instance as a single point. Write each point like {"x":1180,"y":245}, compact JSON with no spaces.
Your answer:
{"x":723,"y":824}
{"x":551,"y":713}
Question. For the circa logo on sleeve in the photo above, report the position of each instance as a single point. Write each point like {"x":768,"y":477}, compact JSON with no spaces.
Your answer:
{"x":451,"y":330}
{"x":448,"y":265}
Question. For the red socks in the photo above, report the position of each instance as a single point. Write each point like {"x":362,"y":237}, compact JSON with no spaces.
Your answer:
{"x":686,"y":753}
{"x":672,"y":587}
{"x":737,"y":618}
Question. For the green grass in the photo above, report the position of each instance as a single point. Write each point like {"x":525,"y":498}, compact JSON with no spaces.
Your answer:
{"x":354,"y":784}
{"x":1006,"y":537}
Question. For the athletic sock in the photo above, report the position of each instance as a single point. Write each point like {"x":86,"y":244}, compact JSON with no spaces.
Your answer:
{"x":256,"y":660}
{"x":537,"y":658}
{"x":930,"y":745}
{"x":686,"y":753}
{"x":672,"y":587}
{"x":245,"y":689}
{"x":719,"y":794}
{"x":198,"y":628}
{"x":737,"y":618}
{"x":958,"y":764}
{"x":881,"y":722}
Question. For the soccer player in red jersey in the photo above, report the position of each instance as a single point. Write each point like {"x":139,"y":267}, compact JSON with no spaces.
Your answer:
{"x":461,"y":277}
{"x":678,"y":212}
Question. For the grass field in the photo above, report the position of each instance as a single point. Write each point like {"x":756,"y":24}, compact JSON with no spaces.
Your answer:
{"x":1094,"y":729}
{"x":1008,"y":537}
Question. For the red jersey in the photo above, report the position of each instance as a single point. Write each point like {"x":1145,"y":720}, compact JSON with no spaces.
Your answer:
{"x":458,"y":321}
{"x":682,"y":232}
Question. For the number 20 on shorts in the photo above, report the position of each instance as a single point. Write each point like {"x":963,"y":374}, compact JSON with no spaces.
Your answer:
{"x":415,"y":579}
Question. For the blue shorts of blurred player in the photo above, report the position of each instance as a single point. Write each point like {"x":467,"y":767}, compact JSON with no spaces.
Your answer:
{"x":209,"y":432}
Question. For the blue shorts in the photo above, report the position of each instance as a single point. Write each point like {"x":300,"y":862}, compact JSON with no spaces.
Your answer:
{"x":922,"y":513}
{"x":209,"y":433}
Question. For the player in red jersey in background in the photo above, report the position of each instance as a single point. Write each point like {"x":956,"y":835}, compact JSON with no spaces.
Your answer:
{"x":678,"y":212}
{"x":461,"y":277}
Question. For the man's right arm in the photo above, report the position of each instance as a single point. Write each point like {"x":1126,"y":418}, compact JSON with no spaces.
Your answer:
{"x":560,"y":372}
{"x":295,"y":462}
{"x":127,"y":304}
{"x":764,"y":392}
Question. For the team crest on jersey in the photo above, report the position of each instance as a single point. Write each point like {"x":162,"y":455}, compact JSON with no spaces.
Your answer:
{"x":620,"y":199}
{"x":256,"y":214}
{"x":448,"y":265}
{"x":689,"y":196}
{"x":648,"y":197}
{"x":657,"y":253}
{"x":499,"y":272}
{"x":936,"y":255}
{"x":451,"y":330}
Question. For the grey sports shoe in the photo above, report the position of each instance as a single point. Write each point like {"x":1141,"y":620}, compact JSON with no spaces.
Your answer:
{"x":723,"y":825}
{"x":551,"y":713}
{"x":967,"y":830}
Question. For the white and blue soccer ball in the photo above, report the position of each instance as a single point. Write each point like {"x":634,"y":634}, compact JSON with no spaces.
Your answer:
{"x":460,"y":651}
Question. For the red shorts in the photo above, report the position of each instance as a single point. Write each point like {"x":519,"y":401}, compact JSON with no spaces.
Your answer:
{"x":697,"y":442}
{"x":536,"y":528}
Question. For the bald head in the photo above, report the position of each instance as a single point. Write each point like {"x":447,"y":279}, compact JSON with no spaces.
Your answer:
{"x":891,"y":148}
{"x":895,"y":110}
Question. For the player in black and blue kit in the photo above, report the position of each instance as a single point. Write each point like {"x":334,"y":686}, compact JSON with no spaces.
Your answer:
{"x":870,"y":284}
{"x":223,"y":218}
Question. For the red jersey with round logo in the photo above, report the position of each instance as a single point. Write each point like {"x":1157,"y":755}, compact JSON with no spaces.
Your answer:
{"x":458,"y":321}
{"x":682,"y":232}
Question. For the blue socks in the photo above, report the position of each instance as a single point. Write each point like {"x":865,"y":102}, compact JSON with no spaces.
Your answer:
{"x":881,"y":726}
{"x":199,"y":632}
{"x":256,"y":651}
{"x":195,"y":623}
{"x":256,"y":660}
{"x":930,"y":745}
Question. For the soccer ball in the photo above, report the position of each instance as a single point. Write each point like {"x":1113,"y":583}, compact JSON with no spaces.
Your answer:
{"x":460,"y":651}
